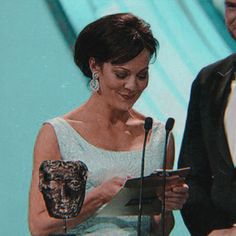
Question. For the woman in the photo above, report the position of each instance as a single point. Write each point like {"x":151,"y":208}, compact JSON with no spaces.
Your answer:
{"x":106,"y":133}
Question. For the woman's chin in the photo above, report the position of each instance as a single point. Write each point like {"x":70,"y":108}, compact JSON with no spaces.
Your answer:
{"x":126,"y":107}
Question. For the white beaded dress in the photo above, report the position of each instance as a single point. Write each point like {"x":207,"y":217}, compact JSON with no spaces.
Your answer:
{"x":103,"y":165}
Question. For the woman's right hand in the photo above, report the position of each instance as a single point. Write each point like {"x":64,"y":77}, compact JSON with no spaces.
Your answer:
{"x":109,"y":188}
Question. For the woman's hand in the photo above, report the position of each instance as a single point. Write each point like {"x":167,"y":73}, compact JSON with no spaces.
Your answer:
{"x":223,"y":232}
{"x":175,"y":196}
{"x":109,"y":188}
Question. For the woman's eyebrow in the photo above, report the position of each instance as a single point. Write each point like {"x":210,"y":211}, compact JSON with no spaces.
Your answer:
{"x":230,"y":4}
{"x":121,"y":67}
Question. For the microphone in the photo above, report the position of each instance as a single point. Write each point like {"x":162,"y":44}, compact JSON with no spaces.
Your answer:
{"x":147,"y":126}
{"x":169,"y":124}
{"x":168,"y":127}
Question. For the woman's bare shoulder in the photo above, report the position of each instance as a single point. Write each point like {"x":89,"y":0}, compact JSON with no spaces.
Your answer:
{"x":46,"y":145}
{"x":46,"y":132}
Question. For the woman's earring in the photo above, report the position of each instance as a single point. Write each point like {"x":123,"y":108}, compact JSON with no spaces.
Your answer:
{"x":94,"y":83}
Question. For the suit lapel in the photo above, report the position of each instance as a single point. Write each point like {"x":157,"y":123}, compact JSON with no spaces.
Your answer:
{"x":220,"y":95}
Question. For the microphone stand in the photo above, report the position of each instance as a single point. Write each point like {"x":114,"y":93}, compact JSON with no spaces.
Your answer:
{"x":168,"y":127}
{"x":147,"y":127}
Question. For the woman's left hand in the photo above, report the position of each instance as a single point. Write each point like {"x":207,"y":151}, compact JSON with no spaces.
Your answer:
{"x":175,"y":197}
{"x":223,"y":232}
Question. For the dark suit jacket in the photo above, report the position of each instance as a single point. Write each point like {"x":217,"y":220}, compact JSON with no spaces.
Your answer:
{"x":212,"y":182}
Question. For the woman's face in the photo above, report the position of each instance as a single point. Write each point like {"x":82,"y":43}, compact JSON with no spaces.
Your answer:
{"x":230,"y":16}
{"x":121,"y":85}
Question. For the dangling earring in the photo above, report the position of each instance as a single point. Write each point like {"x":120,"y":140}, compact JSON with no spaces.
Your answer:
{"x":94,"y":83}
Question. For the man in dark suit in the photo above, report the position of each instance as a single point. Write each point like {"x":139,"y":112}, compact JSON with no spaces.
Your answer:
{"x":209,"y":146}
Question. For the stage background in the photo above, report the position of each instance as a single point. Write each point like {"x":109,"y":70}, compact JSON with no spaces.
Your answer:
{"x":39,"y":79}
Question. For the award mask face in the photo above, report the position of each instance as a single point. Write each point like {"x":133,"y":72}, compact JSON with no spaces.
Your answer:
{"x":62,"y":184}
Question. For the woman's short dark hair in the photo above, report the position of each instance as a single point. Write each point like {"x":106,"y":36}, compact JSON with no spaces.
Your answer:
{"x":115,"y":38}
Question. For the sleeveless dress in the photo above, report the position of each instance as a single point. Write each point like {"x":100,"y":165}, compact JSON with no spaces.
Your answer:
{"x":103,"y":165}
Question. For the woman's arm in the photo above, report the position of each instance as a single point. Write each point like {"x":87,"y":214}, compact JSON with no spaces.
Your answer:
{"x":40,"y":223}
{"x":175,"y":196}
{"x":169,"y":218}
{"x":157,"y":221}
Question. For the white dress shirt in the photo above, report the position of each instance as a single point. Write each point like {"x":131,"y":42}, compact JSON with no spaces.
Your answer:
{"x":230,"y":121}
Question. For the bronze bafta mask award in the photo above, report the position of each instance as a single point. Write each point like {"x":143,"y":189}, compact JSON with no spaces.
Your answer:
{"x":62,"y":184}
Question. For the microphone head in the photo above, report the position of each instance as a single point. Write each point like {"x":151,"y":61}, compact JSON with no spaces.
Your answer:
{"x":169,"y":124}
{"x":148,"y":123}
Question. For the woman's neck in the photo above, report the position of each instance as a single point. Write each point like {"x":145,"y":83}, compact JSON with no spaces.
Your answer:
{"x":106,"y":114}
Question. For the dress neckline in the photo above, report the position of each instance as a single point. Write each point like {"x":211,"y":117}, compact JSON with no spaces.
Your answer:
{"x":77,"y":134}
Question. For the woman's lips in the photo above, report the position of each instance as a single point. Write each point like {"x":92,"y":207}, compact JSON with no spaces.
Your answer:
{"x":127,"y":97}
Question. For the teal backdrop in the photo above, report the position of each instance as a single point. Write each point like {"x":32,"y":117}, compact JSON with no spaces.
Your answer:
{"x":38,"y":79}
